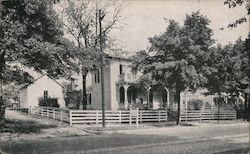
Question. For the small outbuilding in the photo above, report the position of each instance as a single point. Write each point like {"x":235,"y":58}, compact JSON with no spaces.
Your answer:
{"x":42,"y":87}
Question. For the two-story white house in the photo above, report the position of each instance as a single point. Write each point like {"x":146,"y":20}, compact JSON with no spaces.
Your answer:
{"x":120,"y":88}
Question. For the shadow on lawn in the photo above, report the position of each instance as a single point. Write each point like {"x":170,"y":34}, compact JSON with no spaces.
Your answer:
{"x":23,"y":126}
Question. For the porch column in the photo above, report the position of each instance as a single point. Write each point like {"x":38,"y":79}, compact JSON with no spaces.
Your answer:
{"x":168,"y":103}
{"x":126,"y":96}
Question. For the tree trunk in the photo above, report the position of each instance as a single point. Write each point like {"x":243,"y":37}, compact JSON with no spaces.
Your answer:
{"x":84,"y":94}
{"x":2,"y":108}
{"x":245,"y":107}
{"x":219,"y":103}
{"x":177,"y":98}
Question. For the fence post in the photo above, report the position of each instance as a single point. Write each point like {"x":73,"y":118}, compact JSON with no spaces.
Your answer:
{"x":97,"y":117}
{"x":47,"y":112}
{"x":61,"y":119}
{"x":212,"y":114}
{"x":186,"y":114}
{"x":200,"y":116}
{"x":137,"y":117}
{"x":166,"y":115}
{"x":70,"y":117}
{"x":130,"y":117}
{"x":140,"y":112}
{"x":180,"y":116}
{"x":159,"y":116}
{"x":42,"y":111}
{"x":120,"y":116}
{"x":54,"y":114}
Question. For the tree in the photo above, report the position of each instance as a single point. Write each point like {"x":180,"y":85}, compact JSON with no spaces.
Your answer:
{"x":230,"y":65}
{"x":81,"y":24}
{"x":177,"y":58}
{"x":237,"y":3}
{"x":31,"y":36}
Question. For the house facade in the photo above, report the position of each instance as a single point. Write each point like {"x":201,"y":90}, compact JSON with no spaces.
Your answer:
{"x":44,"y":86}
{"x":122,"y":92}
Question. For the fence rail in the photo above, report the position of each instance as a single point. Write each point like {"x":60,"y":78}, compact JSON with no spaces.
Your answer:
{"x":128,"y":116}
{"x":49,"y":112}
{"x":192,"y":115}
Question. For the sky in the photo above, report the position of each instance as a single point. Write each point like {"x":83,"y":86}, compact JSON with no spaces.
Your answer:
{"x":145,"y":18}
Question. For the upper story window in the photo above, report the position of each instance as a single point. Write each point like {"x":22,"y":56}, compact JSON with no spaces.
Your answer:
{"x":97,"y":76}
{"x":121,"y":69}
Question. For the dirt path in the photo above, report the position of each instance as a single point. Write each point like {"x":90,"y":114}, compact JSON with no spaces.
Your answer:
{"x":22,"y":126}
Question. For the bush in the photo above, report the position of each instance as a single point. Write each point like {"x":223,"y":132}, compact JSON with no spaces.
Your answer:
{"x":73,"y":99}
{"x":48,"y":102}
{"x":195,"y":104}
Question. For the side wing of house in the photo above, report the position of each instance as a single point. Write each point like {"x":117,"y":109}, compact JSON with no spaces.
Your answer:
{"x":44,"y":86}
{"x":93,"y":83}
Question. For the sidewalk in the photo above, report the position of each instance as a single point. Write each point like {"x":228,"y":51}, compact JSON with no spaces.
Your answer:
{"x":203,"y":130}
{"x":170,"y":127}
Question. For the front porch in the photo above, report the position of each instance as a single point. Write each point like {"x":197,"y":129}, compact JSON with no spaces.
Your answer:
{"x":155,"y":97}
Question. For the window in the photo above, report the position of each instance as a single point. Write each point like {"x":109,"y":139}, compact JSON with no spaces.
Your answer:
{"x":97,"y":76}
{"x":45,"y":94}
{"x":89,"y":98}
{"x":122,"y":95}
{"x":121,"y":69}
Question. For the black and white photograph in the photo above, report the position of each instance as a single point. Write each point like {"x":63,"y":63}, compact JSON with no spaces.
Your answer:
{"x":124,"y":77}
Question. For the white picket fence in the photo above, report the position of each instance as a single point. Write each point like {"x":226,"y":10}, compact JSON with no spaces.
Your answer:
{"x":128,"y":116}
{"x":120,"y":116}
{"x":195,"y":115}
{"x":50,"y":112}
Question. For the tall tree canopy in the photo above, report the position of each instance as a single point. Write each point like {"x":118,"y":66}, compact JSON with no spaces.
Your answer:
{"x":177,"y":58}
{"x":81,"y":23}
{"x":229,"y":65}
{"x":31,"y":36}
{"x":236,"y":3}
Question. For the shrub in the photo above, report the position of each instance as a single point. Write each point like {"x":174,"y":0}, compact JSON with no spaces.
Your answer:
{"x":73,"y":99}
{"x":48,"y":102}
{"x":195,"y":104}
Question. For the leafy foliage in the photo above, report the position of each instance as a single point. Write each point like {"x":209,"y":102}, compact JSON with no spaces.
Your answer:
{"x":73,"y":99}
{"x":229,"y":65}
{"x":235,"y":3}
{"x":177,"y":58}
{"x":80,"y":21}
{"x":31,"y":36}
{"x":48,"y":102}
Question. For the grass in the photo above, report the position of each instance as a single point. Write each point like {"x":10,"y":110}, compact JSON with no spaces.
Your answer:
{"x":23,"y":126}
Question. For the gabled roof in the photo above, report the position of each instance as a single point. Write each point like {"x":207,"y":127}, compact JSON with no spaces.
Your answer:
{"x":26,"y":85}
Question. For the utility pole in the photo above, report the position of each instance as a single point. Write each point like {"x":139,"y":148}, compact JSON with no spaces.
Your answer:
{"x":101,"y":16}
